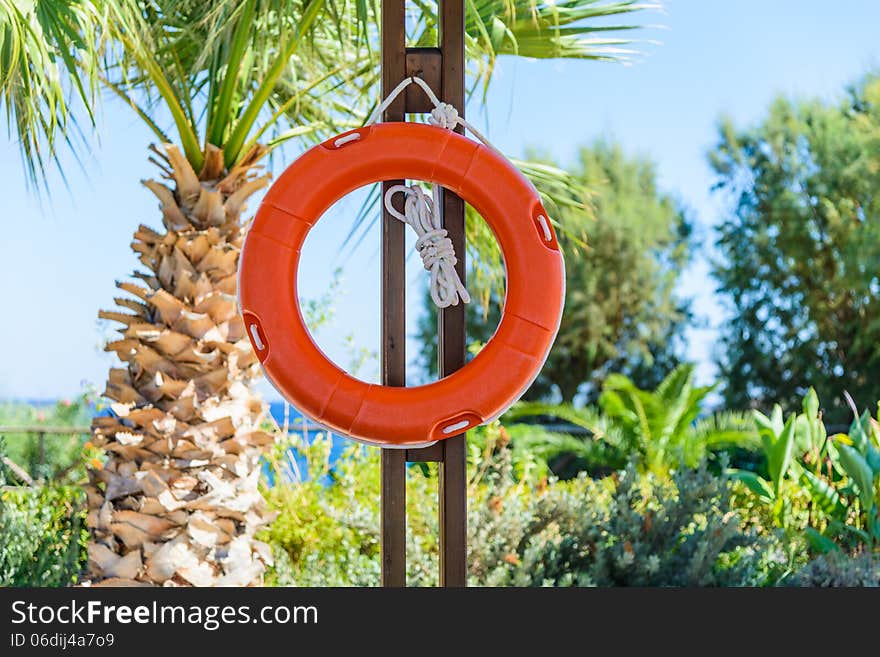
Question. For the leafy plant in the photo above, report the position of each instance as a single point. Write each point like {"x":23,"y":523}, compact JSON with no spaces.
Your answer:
{"x":661,"y":426}
{"x":524,"y":528}
{"x":42,"y":534}
{"x":326,"y":532}
{"x":57,"y":457}
{"x":631,"y":530}
{"x":839,"y":570}
{"x":846,"y":490}
{"x":777,"y":441}
{"x":825,"y":486}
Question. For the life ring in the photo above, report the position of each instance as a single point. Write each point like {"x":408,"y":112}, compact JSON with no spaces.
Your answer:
{"x":398,"y":416}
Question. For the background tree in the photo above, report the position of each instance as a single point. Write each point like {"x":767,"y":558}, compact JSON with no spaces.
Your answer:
{"x":800,"y":253}
{"x":624,"y":247}
{"x":220,"y":84}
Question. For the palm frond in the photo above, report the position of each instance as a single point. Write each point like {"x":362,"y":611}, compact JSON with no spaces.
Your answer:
{"x":228,"y":72}
{"x":535,"y":426}
{"x":231,"y":73}
{"x":547,"y":445}
{"x":727,"y":429}
{"x":588,"y":418}
{"x":547,"y":30}
{"x":47,"y":58}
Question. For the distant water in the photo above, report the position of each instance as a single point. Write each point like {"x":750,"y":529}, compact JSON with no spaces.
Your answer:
{"x":301,"y":425}
{"x":297,"y":424}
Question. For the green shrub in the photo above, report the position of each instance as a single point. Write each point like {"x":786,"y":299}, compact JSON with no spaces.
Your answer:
{"x":42,"y":534}
{"x":824,"y":486}
{"x":523,"y":530}
{"x":839,"y":570}
{"x":631,"y":530}
{"x":327,"y":529}
{"x":57,"y":457}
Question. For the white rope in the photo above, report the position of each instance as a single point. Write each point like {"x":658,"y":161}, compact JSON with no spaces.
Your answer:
{"x":443,"y":115}
{"x":433,"y":243}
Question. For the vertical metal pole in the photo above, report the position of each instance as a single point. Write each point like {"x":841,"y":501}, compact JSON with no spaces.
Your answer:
{"x":453,"y":471}
{"x":393,"y":348}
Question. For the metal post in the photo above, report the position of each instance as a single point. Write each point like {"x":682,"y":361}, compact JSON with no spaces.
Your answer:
{"x":443,"y":69}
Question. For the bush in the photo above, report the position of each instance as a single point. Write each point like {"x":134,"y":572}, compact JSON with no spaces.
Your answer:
{"x":661,"y":427}
{"x":839,"y":570}
{"x":819,"y":485}
{"x":327,"y":529}
{"x":58,"y":457}
{"x":42,"y":535}
{"x":523,"y":530}
{"x":626,"y":530}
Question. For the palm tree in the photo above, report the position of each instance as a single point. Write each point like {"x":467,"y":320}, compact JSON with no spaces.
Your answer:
{"x":177,"y":500}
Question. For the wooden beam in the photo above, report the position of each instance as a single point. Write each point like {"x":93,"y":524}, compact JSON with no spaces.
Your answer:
{"x":422,"y":63}
{"x":443,"y":69}
{"x":393,"y":348}
{"x":452,"y":340}
{"x":431,"y":454}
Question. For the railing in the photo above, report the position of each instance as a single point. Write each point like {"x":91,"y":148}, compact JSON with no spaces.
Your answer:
{"x":40,"y":431}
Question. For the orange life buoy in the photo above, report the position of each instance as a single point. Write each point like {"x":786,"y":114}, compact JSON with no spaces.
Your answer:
{"x":475,"y":394}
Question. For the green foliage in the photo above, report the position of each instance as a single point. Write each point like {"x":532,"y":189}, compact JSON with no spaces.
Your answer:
{"x":327,"y":529}
{"x":801,"y":247}
{"x":839,"y":570}
{"x":42,"y":534}
{"x":59,"y":458}
{"x":660,"y":426}
{"x":624,"y":245}
{"x":39,"y":40}
{"x":522,"y":529}
{"x":635,"y":526}
{"x":825,"y":486}
{"x":633,"y":531}
{"x":323,"y":533}
{"x":231,"y":73}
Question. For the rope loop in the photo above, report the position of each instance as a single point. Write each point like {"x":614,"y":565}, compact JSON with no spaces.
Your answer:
{"x":433,"y":243}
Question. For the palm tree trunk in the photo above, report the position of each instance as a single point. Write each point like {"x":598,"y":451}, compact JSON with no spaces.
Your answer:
{"x":177,"y":502}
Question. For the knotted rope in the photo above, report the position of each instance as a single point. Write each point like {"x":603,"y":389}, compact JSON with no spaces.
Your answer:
{"x":420,"y":210}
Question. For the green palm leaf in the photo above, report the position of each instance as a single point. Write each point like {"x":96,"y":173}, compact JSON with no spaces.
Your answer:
{"x":229,"y":72}
{"x":660,"y":425}
{"x":43,"y":45}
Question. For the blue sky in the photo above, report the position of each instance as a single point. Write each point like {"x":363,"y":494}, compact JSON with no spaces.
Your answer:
{"x":59,"y":259}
